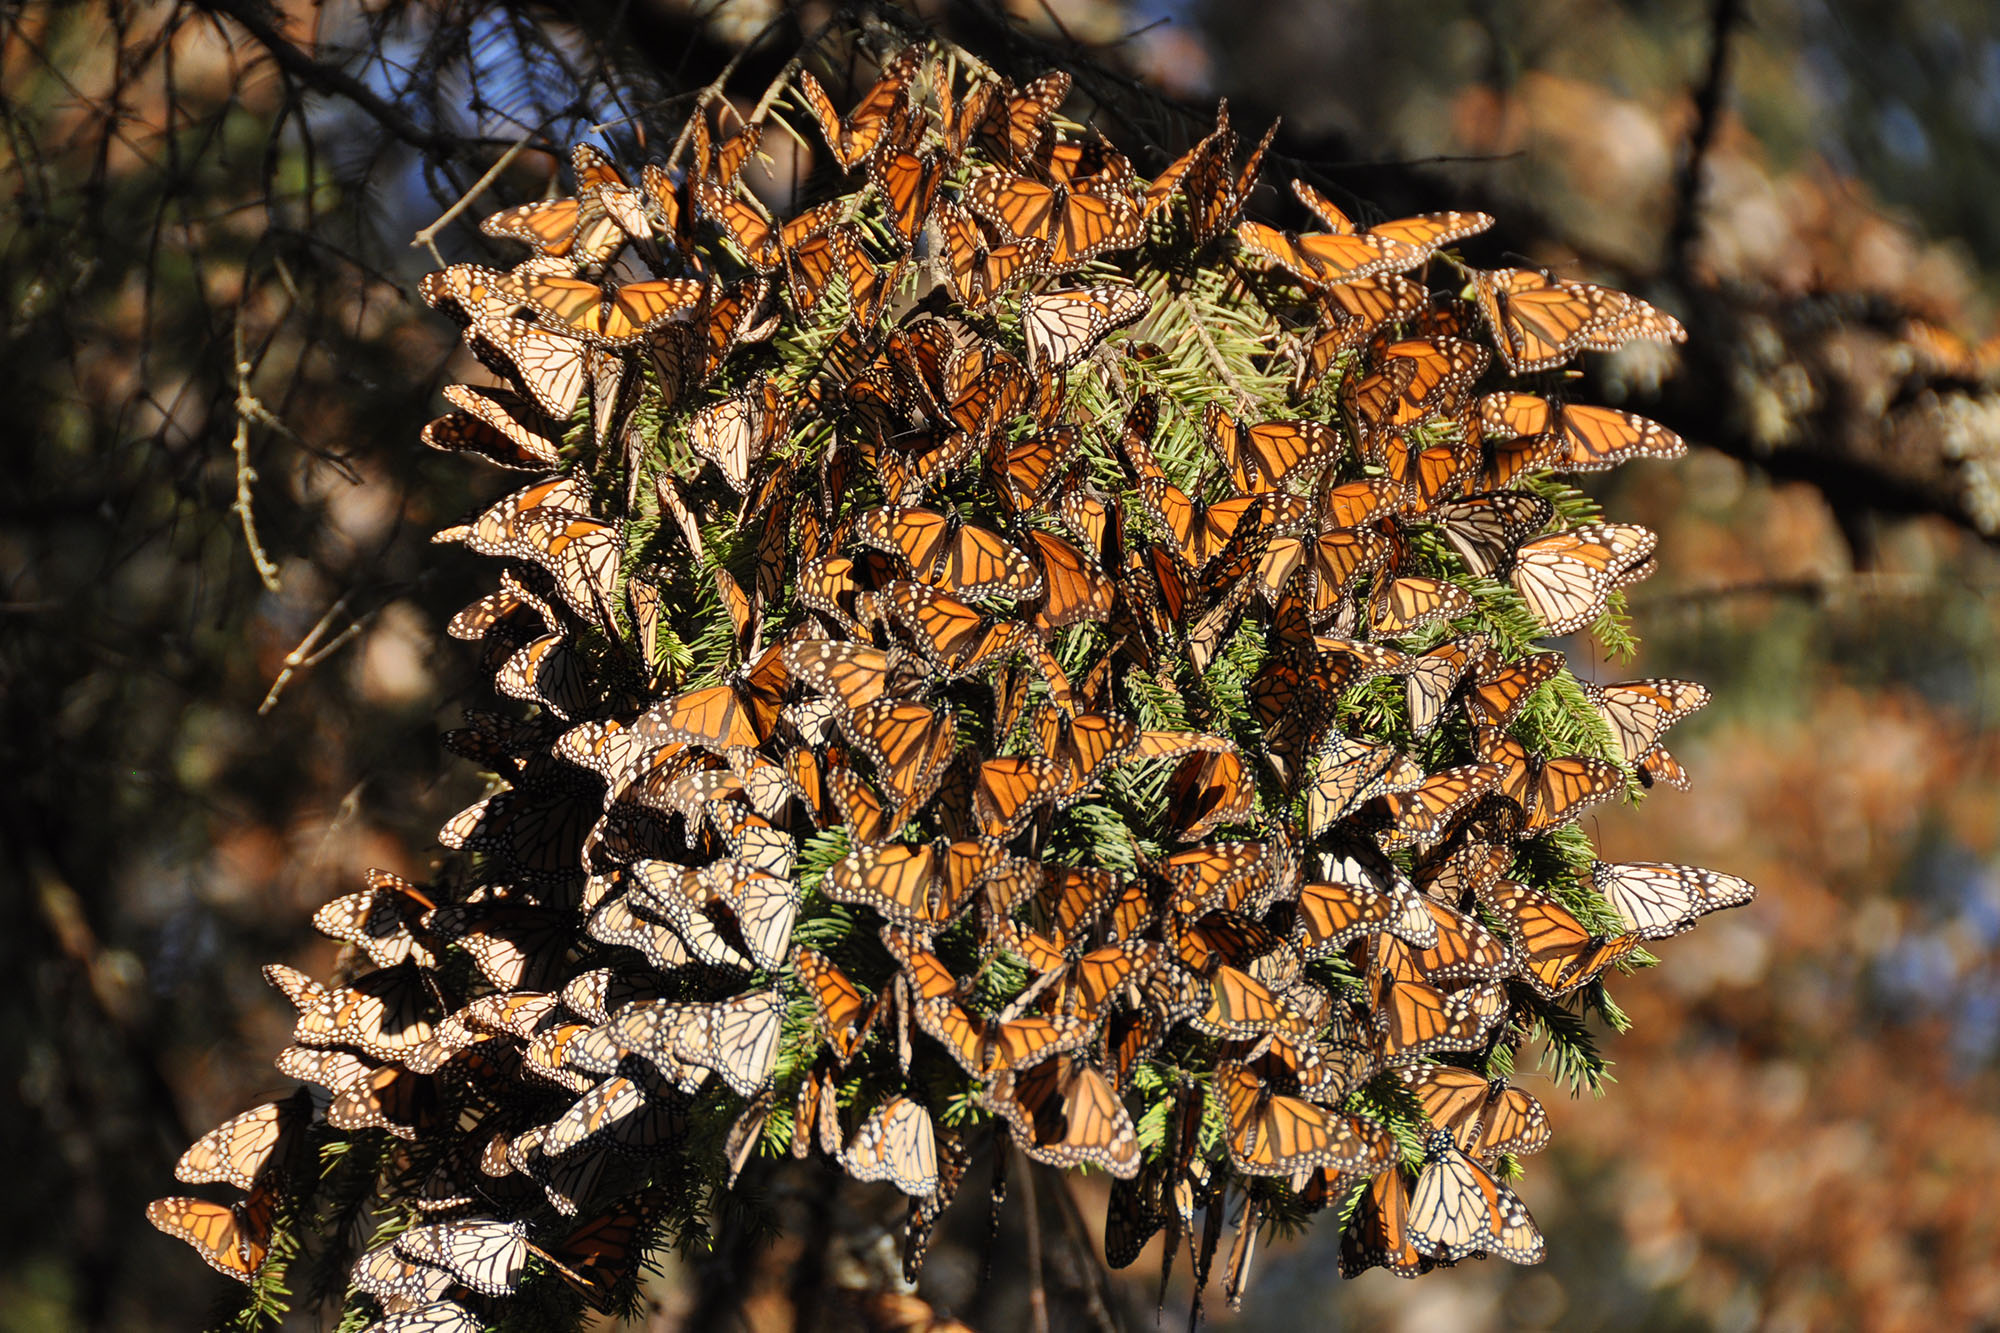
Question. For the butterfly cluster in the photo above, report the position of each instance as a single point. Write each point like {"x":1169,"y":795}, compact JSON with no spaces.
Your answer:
{"x":953,"y":724}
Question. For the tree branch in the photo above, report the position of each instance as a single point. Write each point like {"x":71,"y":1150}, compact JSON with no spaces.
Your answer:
{"x":256,"y":20}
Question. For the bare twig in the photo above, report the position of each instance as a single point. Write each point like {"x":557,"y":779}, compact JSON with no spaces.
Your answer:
{"x":714,"y":88}
{"x":305,"y":657}
{"x":248,"y":409}
{"x":327,"y":79}
{"x":428,"y":236}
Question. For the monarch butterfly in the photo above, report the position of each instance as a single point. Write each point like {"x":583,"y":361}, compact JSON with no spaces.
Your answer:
{"x":1075,"y":590}
{"x":1016,"y":131}
{"x":378,"y":921}
{"x":1008,"y":792}
{"x":718,"y":717}
{"x":476,"y":296}
{"x":485,"y":1255}
{"x":382,"y":1015}
{"x":895,"y":1143}
{"x":856,"y":673}
{"x":1405,"y":605}
{"x":606,"y":1250}
{"x":589,"y":229}
{"x":845,"y":1017}
{"x":549,"y":364}
{"x":1274,"y":1135}
{"x":1550,"y":792}
{"x":737,"y":1037}
{"x":623,"y":1114}
{"x":1349,"y":314}
{"x":1593,"y":438}
{"x":1348,"y":772}
{"x":1207,"y":790}
{"x":513,"y":944}
{"x":853,"y":137}
{"x":608,"y":317}
{"x":953,"y":636}
{"x":910,"y":463}
{"x":908,"y":183}
{"x":1379,"y":1235}
{"x":1484,"y":1116}
{"x":398,"y":1282}
{"x":1426,"y":232}
{"x":1324,"y":259}
{"x":1075,"y":221}
{"x":966,"y":560}
{"x":744,"y":224}
{"x":1239,"y":1006}
{"x":1417,"y":379}
{"x":1225,"y":937}
{"x":1359,"y":891}
{"x":983,"y":1047}
{"x":1539,"y":322}
{"x":1639,"y":712}
{"x":233,"y":1239}
{"x":959,"y":117}
{"x":1486,"y":529}
{"x":978,"y":388}
{"x":923,"y":886}
{"x":1415,"y":1018}
{"x":723,"y":163}
{"x":975,"y":271}
{"x":1215,"y":194}
{"x":1085,"y":745}
{"x":243,"y":1149}
{"x":1223,"y":876}
{"x":1434,"y":676}
{"x":1659,"y":900}
{"x":1499,"y":689}
{"x":435,"y":1317}
{"x":1558,"y":954}
{"x":1064,"y":1111}
{"x":363,"y":1095}
{"x":1460,"y":951}
{"x":763,"y":906}
{"x":1062,"y":328}
{"x":1565,"y":578}
{"x":731,"y":320}
{"x":524,"y":433}
{"x":1026,"y":474}
{"x":735,"y":432}
{"x":616,"y":923}
{"x":1458,"y":1209}
{"x":1258,"y":458}
{"x":908,"y":744}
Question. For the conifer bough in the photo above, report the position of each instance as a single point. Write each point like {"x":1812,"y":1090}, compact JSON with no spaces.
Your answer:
{"x":1010,"y":653}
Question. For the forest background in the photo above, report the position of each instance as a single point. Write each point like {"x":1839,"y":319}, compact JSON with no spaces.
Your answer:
{"x":223,"y":673}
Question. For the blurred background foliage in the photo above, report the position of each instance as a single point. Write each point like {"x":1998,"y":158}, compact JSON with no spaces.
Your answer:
{"x":222,"y":673}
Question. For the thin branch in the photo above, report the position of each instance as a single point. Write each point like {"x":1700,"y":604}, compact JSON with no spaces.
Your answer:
{"x":254,"y":19}
{"x":428,"y":236}
{"x":307,"y":655}
{"x":247,"y":410}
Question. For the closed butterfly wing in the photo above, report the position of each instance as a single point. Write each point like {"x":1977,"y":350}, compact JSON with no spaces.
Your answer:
{"x":1065,"y":1112}
{"x":1458,"y":1209}
{"x":896,"y":1143}
{"x":1379,"y":1235}
{"x":1660,"y":900}
{"x":1566,"y":577}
